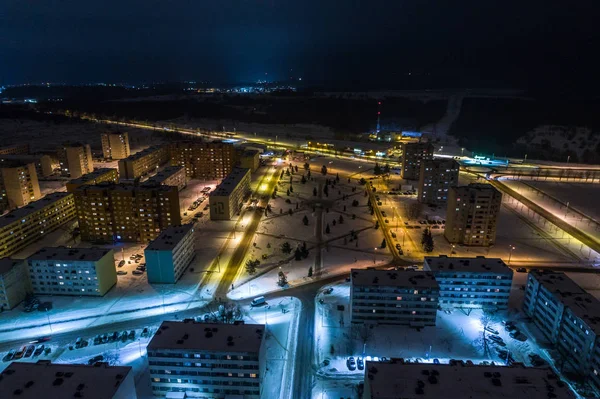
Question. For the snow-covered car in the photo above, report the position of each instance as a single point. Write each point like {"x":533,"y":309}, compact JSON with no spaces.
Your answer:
{"x":351,"y":363}
{"x":360,"y":364}
{"x":490,"y":329}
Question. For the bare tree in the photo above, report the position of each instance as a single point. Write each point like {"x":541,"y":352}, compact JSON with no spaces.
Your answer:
{"x":111,"y":357}
{"x":414,"y":210}
{"x":362,"y":332}
{"x":486,"y":320}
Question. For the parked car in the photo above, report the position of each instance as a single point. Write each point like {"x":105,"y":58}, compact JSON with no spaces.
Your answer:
{"x":490,"y":329}
{"x":436,"y":361}
{"x":537,"y":360}
{"x":518,"y":335}
{"x":328,"y":291}
{"x":9,"y":356}
{"x":131,"y":335}
{"x":351,"y":363}
{"x":393,"y":235}
{"x":122,"y":263}
{"x":258,"y":301}
{"x":121,"y":272}
{"x":398,"y":247}
{"x":29,"y":351}
{"x":145,"y":332}
{"x":137,"y":273}
{"x":497,"y":340}
{"x":360,"y":364}
{"x":95,"y":359}
{"x":20,"y":353}
{"x":521,"y":270}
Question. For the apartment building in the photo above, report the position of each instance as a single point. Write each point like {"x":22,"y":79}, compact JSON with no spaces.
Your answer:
{"x":393,"y":297}
{"x":18,"y":185}
{"x":472,"y":213}
{"x":143,"y":162}
{"x":46,"y":380}
{"x":75,"y":159}
{"x":413,"y":154}
{"x":169,"y":176}
{"x":458,"y":380}
{"x":478,"y":282}
{"x":227,"y":199}
{"x":26,"y":225}
{"x":204,"y":160}
{"x":104,"y":175}
{"x":436,"y":178}
{"x":115,"y":145}
{"x":45,"y":164}
{"x":248,"y":159}
{"x":14,"y":282}
{"x":169,"y":254}
{"x":203,"y":360}
{"x":15,"y":149}
{"x":569,"y":317}
{"x":118,"y":212}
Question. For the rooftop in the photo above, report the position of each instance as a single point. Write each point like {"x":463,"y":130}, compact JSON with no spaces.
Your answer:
{"x":396,"y":379}
{"x":230,"y":182}
{"x":477,"y":264}
{"x":386,"y":278}
{"x":123,"y":187}
{"x":191,"y":335}
{"x":163,"y":175}
{"x":63,"y":253}
{"x":32,"y":207}
{"x":169,"y":238}
{"x":92,"y":176}
{"x":46,"y":380}
{"x":476,"y":186}
{"x":7,"y":264}
{"x":144,"y":153}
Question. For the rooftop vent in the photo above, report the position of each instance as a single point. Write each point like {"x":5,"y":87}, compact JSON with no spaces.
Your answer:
{"x":496,"y":382}
{"x":432,"y":379}
{"x":28,"y":384}
{"x":59,"y":374}
{"x":57,"y":382}
{"x":69,"y":374}
{"x":17,"y":391}
{"x":78,"y":394}
{"x":180,"y":341}
{"x":80,"y":386}
{"x":208,"y":334}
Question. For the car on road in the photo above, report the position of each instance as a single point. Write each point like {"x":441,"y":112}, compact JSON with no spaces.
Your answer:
{"x":137,"y":273}
{"x":387,"y":221}
{"x":351,"y":363}
{"x":328,"y":291}
{"x":29,"y":351}
{"x":521,"y":270}
{"x":9,"y":356}
{"x":258,"y":301}
{"x":383,"y":213}
{"x":95,"y":359}
{"x":40,"y":340}
{"x":121,"y":263}
{"x":393,"y":234}
{"x":360,"y":364}
{"x":490,"y":329}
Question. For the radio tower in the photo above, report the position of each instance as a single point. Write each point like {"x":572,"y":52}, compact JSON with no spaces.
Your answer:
{"x":378,"y":129}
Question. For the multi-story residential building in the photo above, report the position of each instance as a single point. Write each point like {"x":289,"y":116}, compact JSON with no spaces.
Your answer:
{"x":75,"y":159}
{"x":143,"y":162}
{"x":413,"y":154}
{"x":46,"y":380}
{"x":202,"y":160}
{"x":15,"y":149}
{"x":104,"y":175}
{"x":393,"y":297}
{"x":569,"y":317}
{"x":249,"y":159}
{"x":227,"y":199}
{"x":471,"y":282}
{"x":435,"y":179}
{"x":45,"y":164}
{"x":29,"y":224}
{"x":115,"y":145}
{"x":459,"y":380}
{"x":18,"y":185}
{"x":471,"y":216}
{"x":118,"y":212}
{"x":169,"y":176}
{"x":14,"y":282}
{"x":72,"y":271}
{"x":169,"y":254}
{"x":204,"y":360}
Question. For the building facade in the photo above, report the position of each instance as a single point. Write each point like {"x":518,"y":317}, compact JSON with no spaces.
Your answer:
{"x":479,"y":282}
{"x":472,"y":213}
{"x":26,"y":225}
{"x":204,"y":360}
{"x":249,"y":159}
{"x":169,"y":254}
{"x":204,"y":160}
{"x":14,"y":282}
{"x":115,"y":145}
{"x":413,"y":154}
{"x":45,"y":164}
{"x":436,"y":178}
{"x":46,"y":380}
{"x":72,"y":271}
{"x":143,"y":162}
{"x":75,"y":160}
{"x":169,"y":176}
{"x":227,"y":199}
{"x":18,"y":185}
{"x":104,"y":175}
{"x":15,"y":149}
{"x":118,"y":212}
{"x":393,"y":297}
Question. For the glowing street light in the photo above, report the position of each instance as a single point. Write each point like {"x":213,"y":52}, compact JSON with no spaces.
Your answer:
{"x":512,"y":248}
{"x":375,"y":255}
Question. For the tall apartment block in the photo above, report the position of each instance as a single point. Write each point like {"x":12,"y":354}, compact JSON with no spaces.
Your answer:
{"x":72,"y":271}
{"x":46,"y":380}
{"x":203,"y":360}
{"x":204,"y":160}
{"x":115,"y":145}
{"x":400,"y":379}
{"x":169,"y":176}
{"x":75,"y":160}
{"x":472,"y":213}
{"x":393,"y":297}
{"x":29,"y":224}
{"x":14,"y":282}
{"x":436,"y":178}
{"x":248,"y":159}
{"x":169,"y":254}
{"x":45,"y":164}
{"x":227,"y":199}
{"x":18,"y":185}
{"x":104,"y":175}
{"x":413,"y":154}
{"x":118,"y":212}
{"x":471,"y":282}
{"x":15,"y":149}
{"x":143,"y":162}
{"x":569,"y":317}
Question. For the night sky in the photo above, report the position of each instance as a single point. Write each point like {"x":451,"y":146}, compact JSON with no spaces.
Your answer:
{"x":371,"y":43}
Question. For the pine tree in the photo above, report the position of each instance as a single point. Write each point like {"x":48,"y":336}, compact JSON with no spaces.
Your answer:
{"x":383,"y":243}
{"x":303,"y":180}
{"x":306,"y":166}
{"x":286,"y":248}
{"x":377,"y":169}
{"x":310,"y":271}
{"x":324,"y":170}
{"x":315,"y":192}
{"x":327,"y":229}
{"x":305,"y":220}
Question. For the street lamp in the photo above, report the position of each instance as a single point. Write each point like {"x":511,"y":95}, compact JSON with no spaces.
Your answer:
{"x":375,"y":256}
{"x":512,"y":248}
{"x":567,"y":212}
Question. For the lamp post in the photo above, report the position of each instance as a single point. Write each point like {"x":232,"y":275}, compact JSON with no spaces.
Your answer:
{"x":375,"y":256}
{"x":512,"y":247}
{"x":567,"y":212}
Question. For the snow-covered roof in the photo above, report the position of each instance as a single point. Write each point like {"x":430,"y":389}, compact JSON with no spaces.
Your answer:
{"x":7,"y":264}
{"x":396,"y":379}
{"x":230,"y":182}
{"x":46,"y":380}
{"x":63,"y":253}
{"x":169,"y":238}
{"x":163,"y":175}
{"x":476,"y":265}
{"x":144,"y":153}
{"x":92,"y":176}
{"x":191,"y":335}
{"x":386,"y":278}
{"x":32,"y":207}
